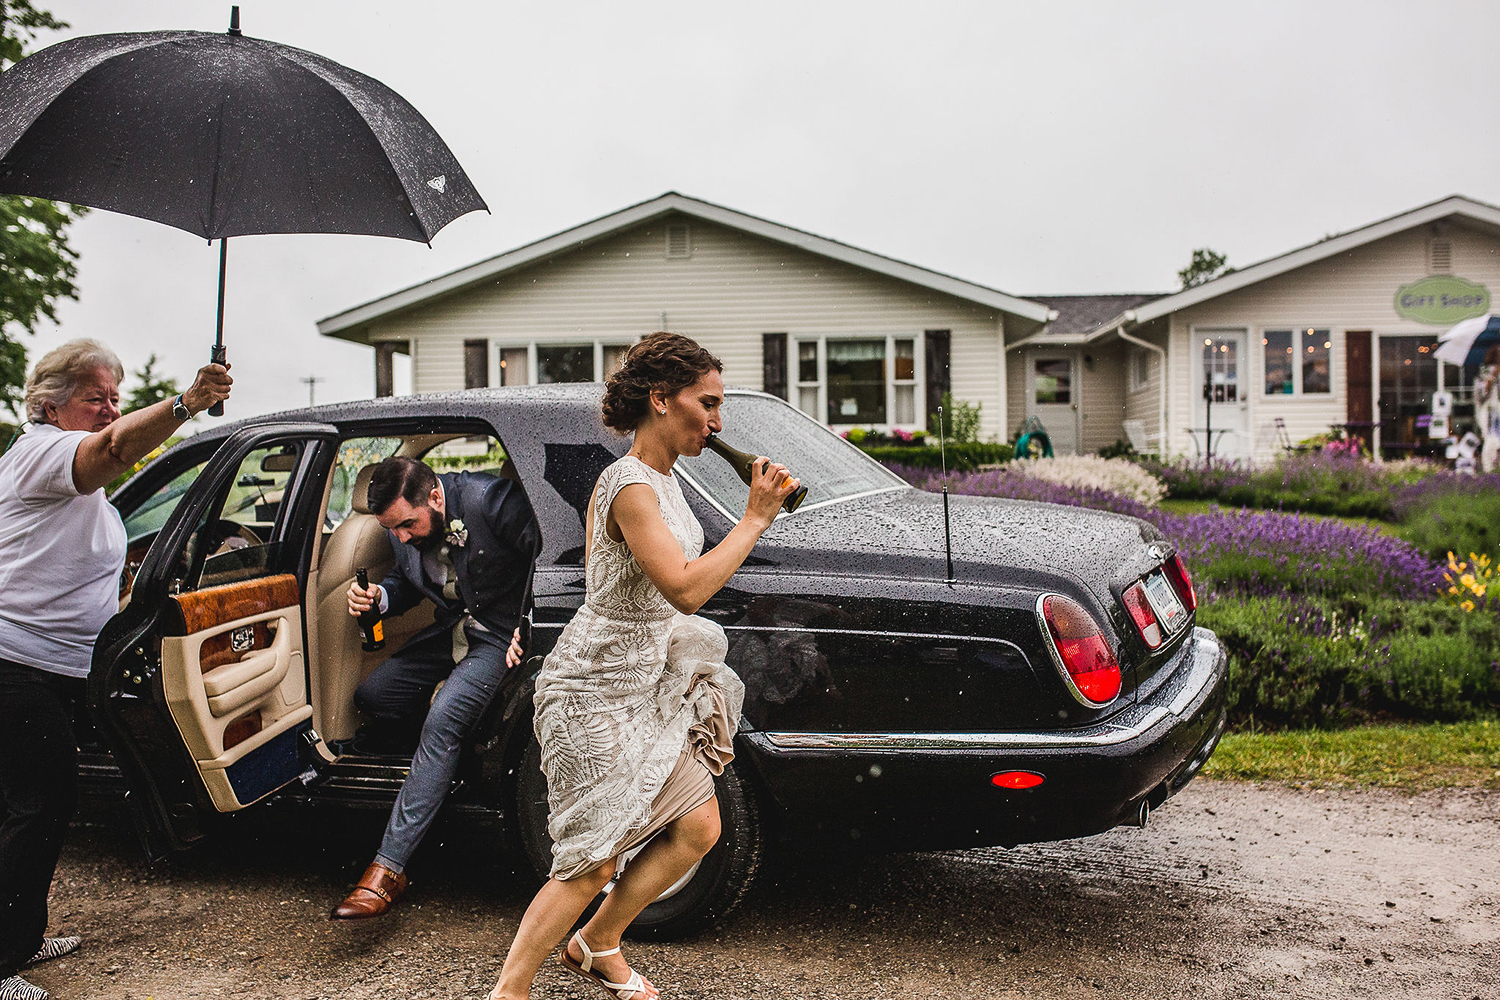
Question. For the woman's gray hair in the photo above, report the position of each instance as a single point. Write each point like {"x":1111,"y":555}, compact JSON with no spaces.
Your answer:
{"x":56,"y":376}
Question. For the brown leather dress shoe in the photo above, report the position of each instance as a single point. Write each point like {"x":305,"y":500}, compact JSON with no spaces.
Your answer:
{"x":378,"y":891}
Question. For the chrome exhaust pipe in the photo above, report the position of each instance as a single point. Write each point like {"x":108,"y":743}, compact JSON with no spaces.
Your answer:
{"x":1143,"y":814}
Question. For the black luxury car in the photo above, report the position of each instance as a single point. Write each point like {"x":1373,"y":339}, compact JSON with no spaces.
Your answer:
{"x":1054,"y":686}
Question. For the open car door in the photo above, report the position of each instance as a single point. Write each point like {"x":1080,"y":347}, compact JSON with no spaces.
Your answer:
{"x":200,"y":685}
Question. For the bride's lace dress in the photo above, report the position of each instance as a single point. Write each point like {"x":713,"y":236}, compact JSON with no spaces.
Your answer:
{"x":630,"y":687}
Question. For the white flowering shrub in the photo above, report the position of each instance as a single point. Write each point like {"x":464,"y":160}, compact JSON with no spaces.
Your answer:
{"x":1090,"y":472}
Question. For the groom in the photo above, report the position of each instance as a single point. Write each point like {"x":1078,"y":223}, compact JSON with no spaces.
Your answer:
{"x":465,"y":541}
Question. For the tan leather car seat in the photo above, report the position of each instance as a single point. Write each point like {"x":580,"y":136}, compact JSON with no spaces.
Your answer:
{"x":358,"y":541}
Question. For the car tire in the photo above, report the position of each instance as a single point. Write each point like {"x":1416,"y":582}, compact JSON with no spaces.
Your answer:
{"x":721,"y":880}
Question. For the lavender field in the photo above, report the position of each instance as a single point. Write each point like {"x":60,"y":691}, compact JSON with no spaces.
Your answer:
{"x":1328,"y":621}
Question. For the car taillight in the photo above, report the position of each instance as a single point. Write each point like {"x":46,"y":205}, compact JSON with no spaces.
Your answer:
{"x":1177,"y":571}
{"x":1141,"y":613}
{"x":1017,"y":780}
{"x":1080,"y":650}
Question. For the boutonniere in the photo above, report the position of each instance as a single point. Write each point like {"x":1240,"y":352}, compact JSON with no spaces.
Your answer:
{"x":457,"y":533}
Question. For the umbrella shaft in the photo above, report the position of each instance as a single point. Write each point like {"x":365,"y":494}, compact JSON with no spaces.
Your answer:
{"x":223,"y":261}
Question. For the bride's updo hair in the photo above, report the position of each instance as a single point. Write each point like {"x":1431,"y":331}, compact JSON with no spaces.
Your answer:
{"x":661,"y":362}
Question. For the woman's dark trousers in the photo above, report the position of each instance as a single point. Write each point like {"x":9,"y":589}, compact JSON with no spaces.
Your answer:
{"x":38,"y":788}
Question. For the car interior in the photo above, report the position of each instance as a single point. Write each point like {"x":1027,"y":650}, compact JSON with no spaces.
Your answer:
{"x":234,"y":680}
{"x":357,"y":541}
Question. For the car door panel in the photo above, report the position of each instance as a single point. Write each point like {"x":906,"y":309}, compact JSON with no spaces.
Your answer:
{"x":234,"y":681}
{"x":201,"y":683}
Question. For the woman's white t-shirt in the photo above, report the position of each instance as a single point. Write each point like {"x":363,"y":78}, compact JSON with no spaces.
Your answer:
{"x":60,"y":555}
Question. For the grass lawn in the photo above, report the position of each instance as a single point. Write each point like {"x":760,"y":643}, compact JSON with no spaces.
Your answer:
{"x":1409,"y":757}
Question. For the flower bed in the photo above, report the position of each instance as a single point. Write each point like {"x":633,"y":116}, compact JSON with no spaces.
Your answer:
{"x":1327,"y":623}
{"x":1322,"y":482}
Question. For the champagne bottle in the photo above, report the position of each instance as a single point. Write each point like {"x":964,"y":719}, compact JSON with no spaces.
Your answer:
{"x":371,"y":626}
{"x":743,"y":463}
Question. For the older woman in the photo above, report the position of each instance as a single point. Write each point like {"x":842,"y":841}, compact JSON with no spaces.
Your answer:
{"x":62,"y":547}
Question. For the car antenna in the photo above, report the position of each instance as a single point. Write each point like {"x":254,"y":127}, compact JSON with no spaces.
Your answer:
{"x":947,"y":523}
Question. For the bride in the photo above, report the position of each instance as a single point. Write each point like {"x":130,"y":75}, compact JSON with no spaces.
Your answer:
{"x":635,"y":709}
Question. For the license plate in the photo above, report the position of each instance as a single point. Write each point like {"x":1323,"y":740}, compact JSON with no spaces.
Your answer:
{"x":1165,"y":602}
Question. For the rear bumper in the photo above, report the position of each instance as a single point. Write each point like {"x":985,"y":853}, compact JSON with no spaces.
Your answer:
{"x":932,"y":790}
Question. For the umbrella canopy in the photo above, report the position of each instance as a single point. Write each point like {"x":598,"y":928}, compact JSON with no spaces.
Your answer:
{"x":1467,"y":343}
{"x":224,"y":135}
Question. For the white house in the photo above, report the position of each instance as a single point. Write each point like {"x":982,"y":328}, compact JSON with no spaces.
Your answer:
{"x":1338,"y":333}
{"x":851,"y":337}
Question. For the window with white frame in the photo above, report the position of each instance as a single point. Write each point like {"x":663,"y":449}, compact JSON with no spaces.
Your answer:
{"x":1297,"y":361}
{"x":541,"y":362}
{"x":859,"y":381}
{"x":1140,"y":368}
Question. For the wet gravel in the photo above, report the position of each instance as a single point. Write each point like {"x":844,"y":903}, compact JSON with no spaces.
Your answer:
{"x":1233,"y":891}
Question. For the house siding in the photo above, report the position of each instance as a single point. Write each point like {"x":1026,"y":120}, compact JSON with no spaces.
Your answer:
{"x":732,"y":289}
{"x":1144,"y":404}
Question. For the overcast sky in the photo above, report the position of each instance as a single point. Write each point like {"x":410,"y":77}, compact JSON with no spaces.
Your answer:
{"x":1032,"y":147}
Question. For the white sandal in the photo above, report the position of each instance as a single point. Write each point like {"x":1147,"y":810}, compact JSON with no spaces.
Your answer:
{"x":633,"y":987}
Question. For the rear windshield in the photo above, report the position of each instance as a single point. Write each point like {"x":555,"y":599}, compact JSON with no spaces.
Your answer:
{"x":830,"y":467}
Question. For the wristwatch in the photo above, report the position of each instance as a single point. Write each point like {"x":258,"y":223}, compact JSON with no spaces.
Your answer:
{"x":180,"y":410}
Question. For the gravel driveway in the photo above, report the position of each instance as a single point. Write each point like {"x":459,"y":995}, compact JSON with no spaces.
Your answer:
{"x":1234,"y":891}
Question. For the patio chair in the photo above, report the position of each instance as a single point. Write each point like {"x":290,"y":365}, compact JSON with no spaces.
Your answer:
{"x":1135,"y":433}
{"x":1285,"y":439}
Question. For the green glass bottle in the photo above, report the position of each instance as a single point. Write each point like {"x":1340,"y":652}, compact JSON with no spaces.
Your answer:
{"x":743,"y":463}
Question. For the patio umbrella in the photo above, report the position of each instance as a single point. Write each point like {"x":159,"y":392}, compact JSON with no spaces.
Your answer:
{"x":1466,"y":343}
{"x":224,"y":135}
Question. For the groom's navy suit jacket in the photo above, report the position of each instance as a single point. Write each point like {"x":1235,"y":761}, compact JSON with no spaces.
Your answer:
{"x":493,"y":567}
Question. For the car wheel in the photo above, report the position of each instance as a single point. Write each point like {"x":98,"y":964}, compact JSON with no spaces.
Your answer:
{"x":706,"y":895}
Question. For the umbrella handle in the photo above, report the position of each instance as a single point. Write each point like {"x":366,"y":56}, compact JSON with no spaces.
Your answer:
{"x":218,"y":356}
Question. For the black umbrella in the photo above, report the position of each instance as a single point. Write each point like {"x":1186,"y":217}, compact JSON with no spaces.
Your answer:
{"x":224,"y":135}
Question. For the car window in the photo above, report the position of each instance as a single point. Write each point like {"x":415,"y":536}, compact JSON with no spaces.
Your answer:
{"x":830,"y":467}
{"x":148,"y":518}
{"x":237,"y":538}
{"x":354,"y":454}
{"x":470,"y":454}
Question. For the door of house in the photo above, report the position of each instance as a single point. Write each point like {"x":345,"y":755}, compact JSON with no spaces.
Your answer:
{"x":1220,"y":402}
{"x":1053,"y":397}
{"x":1408,"y":378}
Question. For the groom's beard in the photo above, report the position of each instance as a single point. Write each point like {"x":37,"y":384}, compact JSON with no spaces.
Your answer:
{"x":434,"y":536}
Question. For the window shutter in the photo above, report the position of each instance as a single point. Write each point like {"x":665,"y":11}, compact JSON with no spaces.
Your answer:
{"x":939,"y":349}
{"x":385,"y":369}
{"x":476,"y":364}
{"x":773,"y":363}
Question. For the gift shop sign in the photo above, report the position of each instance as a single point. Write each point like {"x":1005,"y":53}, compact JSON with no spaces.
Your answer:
{"x":1442,"y":300}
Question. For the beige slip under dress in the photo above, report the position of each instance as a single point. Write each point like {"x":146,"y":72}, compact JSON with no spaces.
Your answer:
{"x":635,"y":707}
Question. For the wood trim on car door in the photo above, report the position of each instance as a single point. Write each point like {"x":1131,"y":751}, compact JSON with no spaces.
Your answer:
{"x":232,"y":674}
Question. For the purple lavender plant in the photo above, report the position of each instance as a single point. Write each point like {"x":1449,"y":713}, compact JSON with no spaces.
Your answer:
{"x":1412,"y":498}
{"x":1269,"y":553}
{"x":1263,"y":553}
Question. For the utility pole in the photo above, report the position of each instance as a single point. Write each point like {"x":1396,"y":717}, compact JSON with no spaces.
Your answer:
{"x":311,"y":382}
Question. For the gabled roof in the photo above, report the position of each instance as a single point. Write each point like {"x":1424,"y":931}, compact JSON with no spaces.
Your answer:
{"x":347,"y":324}
{"x":1083,"y":313}
{"x":1453,"y":205}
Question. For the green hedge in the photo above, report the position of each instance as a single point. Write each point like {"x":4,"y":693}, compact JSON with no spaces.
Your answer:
{"x":1324,"y":664}
{"x":1460,"y":523}
{"x":961,"y":457}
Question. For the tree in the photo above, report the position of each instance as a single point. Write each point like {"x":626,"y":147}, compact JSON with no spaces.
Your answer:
{"x":153,"y":388}
{"x":37,"y":266}
{"x":1205,"y":266}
